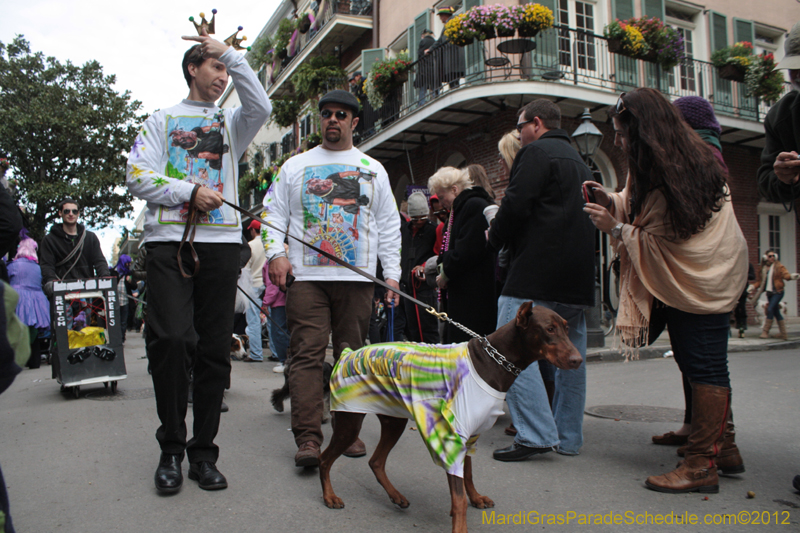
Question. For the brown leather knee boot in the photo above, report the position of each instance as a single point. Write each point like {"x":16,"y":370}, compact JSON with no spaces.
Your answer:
{"x":729,"y":460}
{"x":698,"y":471}
{"x":782,"y":330}
{"x":765,"y":331}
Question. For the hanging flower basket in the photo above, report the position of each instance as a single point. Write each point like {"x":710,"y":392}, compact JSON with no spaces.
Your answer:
{"x":527,"y":32}
{"x":732,"y":73}
{"x":490,"y":21}
{"x":615,"y":46}
{"x":400,"y":77}
{"x":384,"y":76}
{"x":505,"y":32}
{"x":304,"y":23}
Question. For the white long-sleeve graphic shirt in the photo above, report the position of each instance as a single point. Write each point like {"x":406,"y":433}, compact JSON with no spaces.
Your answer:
{"x":196,"y":143}
{"x":341,"y":202}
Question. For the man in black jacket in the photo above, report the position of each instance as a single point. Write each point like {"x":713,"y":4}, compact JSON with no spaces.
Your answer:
{"x":70,"y":251}
{"x":779,"y":175}
{"x":551,"y":243}
{"x":419,"y":237}
{"x":448,"y":58}
{"x":425,"y":67}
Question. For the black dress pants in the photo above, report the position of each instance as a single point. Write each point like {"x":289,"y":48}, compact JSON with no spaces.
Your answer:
{"x":189,"y":325}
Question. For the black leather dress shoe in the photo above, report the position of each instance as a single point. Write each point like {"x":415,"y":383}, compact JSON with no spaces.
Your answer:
{"x":518,"y":452}
{"x":168,"y":474}
{"x":207,"y":476}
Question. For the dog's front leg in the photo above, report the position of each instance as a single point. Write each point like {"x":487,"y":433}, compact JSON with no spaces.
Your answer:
{"x":481,"y":502}
{"x":458,"y":503}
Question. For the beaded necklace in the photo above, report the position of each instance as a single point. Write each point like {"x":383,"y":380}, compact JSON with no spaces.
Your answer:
{"x":445,"y":247}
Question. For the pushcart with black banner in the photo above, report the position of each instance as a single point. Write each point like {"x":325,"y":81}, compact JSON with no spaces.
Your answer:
{"x":88,"y":334}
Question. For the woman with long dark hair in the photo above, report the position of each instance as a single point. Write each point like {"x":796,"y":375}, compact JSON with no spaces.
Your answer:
{"x":683,"y":263}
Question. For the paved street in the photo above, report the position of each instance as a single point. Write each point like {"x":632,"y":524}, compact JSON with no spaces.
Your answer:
{"x":87,"y":465}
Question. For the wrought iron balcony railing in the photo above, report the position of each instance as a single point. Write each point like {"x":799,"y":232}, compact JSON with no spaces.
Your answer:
{"x":326,"y":11}
{"x":563,"y":56}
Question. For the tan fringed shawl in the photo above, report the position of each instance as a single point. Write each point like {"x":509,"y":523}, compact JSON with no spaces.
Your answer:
{"x":704,"y":274}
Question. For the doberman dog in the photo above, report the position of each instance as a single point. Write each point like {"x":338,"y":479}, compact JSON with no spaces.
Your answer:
{"x":535,"y":333}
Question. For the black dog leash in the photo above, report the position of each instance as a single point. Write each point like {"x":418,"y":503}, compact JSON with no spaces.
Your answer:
{"x":259,"y":307}
{"x":488,"y":348}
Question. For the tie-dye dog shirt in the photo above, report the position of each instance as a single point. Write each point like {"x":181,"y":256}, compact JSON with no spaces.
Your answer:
{"x":435,"y":385}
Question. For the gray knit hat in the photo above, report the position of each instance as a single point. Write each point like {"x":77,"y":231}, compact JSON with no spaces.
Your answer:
{"x":417,"y":205}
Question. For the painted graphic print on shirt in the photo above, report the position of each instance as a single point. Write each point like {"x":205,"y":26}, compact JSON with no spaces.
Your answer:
{"x":196,"y":146}
{"x":336,"y":203}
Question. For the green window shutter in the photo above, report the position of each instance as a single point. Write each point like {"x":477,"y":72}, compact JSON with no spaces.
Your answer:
{"x":545,"y":56}
{"x":723,"y":89}
{"x":421,"y":22}
{"x":718,"y":27}
{"x":743,"y":30}
{"x":368,"y":57}
{"x":653,"y":8}
{"x":622,"y":9}
{"x":626,"y":70}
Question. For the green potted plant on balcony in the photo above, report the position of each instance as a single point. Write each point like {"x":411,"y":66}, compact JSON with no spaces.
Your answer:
{"x":281,"y":40}
{"x":386,"y":75}
{"x":261,"y":52}
{"x":304,"y":22}
{"x":533,"y":18}
{"x":625,"y":39}
{"x":459,"y":31}
{"x":284,"y":111}
{"x":733,"y":62}
{"x":318,"y":75}
{"x":646,"y":38}
{"x":762,"y":80}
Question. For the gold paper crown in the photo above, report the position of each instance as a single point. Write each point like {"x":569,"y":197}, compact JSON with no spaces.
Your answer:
{"x":204,"y":24}
{"x":235,"y":42}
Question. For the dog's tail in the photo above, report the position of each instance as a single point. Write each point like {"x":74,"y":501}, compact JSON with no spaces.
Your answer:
{"x":278,"y":397}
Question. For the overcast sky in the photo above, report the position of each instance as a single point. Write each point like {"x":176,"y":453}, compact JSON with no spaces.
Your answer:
{"x":138,"y":42}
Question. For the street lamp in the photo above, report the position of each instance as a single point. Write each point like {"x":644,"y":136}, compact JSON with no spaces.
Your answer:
{"x":587,"y":136}
{"x":588,"y":139}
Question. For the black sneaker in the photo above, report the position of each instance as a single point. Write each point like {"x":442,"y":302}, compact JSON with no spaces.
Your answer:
{"x":518,"y":452}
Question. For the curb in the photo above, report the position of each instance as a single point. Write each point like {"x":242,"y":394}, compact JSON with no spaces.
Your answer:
{"x":606,"y":355}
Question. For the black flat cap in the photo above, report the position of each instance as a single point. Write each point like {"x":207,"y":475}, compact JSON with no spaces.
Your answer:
{"x":340,"y":97}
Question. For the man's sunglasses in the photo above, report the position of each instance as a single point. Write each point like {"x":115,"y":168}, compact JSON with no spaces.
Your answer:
{"x":70,"y":211}
{"x":327,"y":113}
{"x":522,"y":124}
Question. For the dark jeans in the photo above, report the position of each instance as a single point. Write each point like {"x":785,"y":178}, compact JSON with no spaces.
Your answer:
{"x":774,"y":308}
{"x":421,"y":325}
{"x":189,"y":325}
{"x":700,"y":346}
{"x":123,"y":319}
{"x":314,"y":310}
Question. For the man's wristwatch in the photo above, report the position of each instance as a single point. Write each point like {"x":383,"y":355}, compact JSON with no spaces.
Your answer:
{"x":616,"y":231}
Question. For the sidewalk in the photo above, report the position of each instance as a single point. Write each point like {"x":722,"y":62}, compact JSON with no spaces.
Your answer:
{"x":750,"y":343}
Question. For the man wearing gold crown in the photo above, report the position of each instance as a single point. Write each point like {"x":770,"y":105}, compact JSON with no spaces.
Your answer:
{"x":187,"y":156}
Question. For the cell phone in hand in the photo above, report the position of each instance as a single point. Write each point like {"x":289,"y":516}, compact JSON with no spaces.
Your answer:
{"x":588,"y":195}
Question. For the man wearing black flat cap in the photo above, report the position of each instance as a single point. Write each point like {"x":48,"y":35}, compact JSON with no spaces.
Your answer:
{"x":340,"y":199}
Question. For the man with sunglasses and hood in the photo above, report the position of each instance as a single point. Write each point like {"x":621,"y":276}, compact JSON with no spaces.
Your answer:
{"x":340,"y":200}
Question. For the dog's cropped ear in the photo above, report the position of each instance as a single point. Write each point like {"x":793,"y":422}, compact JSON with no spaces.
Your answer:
{"x":524,"y":314}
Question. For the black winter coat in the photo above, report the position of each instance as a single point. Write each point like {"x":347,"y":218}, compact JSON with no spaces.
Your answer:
{"x":57,"y":245}
{"x":469,"y":263}
{"x":551,"y":240}
{"x":782,"y":127}
{"x":416,"y":249}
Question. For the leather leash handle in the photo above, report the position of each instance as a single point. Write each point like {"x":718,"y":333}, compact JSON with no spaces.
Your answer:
{"x":191,"y":225}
